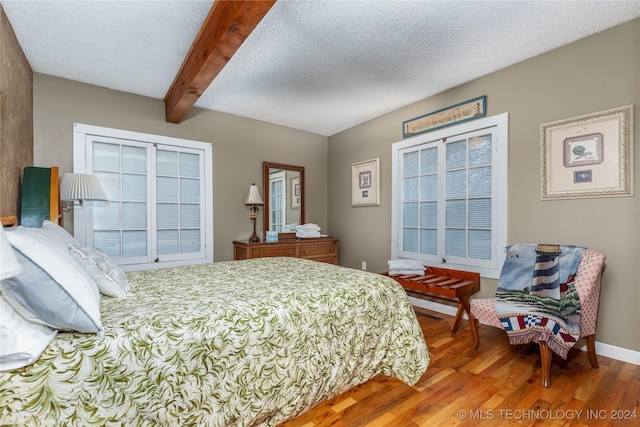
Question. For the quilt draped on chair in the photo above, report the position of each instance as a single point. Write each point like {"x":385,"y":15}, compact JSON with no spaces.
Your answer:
{"x":536,"y":300}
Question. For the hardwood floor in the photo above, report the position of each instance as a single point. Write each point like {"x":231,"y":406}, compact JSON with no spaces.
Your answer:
{"x":496,"y":385}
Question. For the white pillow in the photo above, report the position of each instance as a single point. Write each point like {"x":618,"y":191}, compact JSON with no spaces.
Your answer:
{"x":52,"y":289}
{"x":21,"y":342}
{"x":109,"y":277}
{"x":55,"y":234}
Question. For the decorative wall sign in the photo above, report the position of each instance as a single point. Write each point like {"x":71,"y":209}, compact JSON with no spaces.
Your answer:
{"x":588,"y":156}
{"x":365,"y":183}
{"x":453,"y":115}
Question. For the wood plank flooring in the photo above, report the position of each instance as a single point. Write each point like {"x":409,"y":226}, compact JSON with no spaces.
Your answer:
{"x":496,"y":385}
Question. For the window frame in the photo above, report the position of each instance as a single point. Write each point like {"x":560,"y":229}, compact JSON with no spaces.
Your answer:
{"x":83,"y":163}
{"x":499,"y":195}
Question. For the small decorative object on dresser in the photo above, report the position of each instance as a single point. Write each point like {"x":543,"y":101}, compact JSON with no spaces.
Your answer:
{"x":323,"y":249}
{"x":271,"y":236}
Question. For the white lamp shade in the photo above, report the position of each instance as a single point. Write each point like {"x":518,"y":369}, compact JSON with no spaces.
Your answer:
{"x":254,"y":196}
{"x":9,"y":265}
{"x":81,"y":186}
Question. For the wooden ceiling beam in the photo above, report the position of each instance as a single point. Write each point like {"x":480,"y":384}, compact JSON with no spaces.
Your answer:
{"x":224,"y":30}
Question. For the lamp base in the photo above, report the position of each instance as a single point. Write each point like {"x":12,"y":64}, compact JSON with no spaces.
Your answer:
{"x":254,"y":237}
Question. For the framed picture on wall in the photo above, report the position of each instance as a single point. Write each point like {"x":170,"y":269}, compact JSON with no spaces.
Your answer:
{"x":588,"y":156}
{"x":365,"y":183}
{"x":295,"y":192}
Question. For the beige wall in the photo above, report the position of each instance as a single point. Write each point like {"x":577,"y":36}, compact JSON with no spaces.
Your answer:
{"x":16,"y":117}
{"x":239,"y":147}
{"x":594,"y":74}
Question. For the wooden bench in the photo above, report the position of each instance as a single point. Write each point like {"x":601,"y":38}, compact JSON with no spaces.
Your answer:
{"x":444,"y":284}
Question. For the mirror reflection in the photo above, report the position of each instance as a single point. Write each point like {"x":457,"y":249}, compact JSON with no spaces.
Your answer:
{"x":284,"y":198}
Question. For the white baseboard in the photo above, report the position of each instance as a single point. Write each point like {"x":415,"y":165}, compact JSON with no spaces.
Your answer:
{"x":612,"y":351}
{"x":435,"y":306}
{"x":603,"y":349}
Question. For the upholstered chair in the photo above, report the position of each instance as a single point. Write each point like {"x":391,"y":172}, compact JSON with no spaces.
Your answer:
{"x":587,"y":284}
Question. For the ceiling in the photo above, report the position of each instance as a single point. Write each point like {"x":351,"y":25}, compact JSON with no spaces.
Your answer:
{"x":317,"y":65}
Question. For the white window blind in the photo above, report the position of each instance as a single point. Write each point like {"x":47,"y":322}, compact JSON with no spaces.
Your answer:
{"x":178,"y":204}
{"x":160,"y":197}
{"x":120,"y":228}
{"x":277,"y":204}
{"x":449,"y":197}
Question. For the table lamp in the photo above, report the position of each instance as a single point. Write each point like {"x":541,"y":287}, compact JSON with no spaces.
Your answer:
{"x":254,"y":200}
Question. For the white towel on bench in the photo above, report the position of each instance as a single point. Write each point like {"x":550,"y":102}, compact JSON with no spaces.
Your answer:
{"x":406,"y":266}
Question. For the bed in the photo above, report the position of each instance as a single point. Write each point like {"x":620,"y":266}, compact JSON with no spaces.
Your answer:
{"x":238,"y":343}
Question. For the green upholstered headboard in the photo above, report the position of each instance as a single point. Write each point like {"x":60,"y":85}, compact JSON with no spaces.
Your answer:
{"x":40,"y":196}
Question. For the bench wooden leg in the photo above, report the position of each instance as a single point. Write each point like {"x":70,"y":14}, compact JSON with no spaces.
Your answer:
{"x":463,"y":306}
{"x":591,"y":350}
{"x":545,"y":358}
{"x":456,"y":320}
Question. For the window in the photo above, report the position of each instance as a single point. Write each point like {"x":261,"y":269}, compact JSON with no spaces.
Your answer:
{"x":160,"y":194}
{"x":277,"y":217}
{"x":449,"y":197}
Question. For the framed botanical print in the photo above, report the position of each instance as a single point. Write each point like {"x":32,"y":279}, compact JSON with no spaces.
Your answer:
{"x":588,"y":156}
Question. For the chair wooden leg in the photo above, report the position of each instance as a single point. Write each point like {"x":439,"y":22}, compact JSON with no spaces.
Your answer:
{"x":474,"y":330}
{"x":545,"y":358}
{"x":591,"y":350}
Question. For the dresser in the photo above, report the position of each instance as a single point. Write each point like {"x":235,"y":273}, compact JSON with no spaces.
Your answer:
{"x":323,"y":249}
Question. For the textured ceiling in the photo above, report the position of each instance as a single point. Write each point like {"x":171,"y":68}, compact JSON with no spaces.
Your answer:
{"x":317,"y":65}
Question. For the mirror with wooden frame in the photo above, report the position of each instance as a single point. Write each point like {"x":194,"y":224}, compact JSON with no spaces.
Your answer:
{"x":283,"y":199}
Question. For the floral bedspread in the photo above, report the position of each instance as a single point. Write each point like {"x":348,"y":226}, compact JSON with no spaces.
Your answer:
{"x":239,"y":343}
